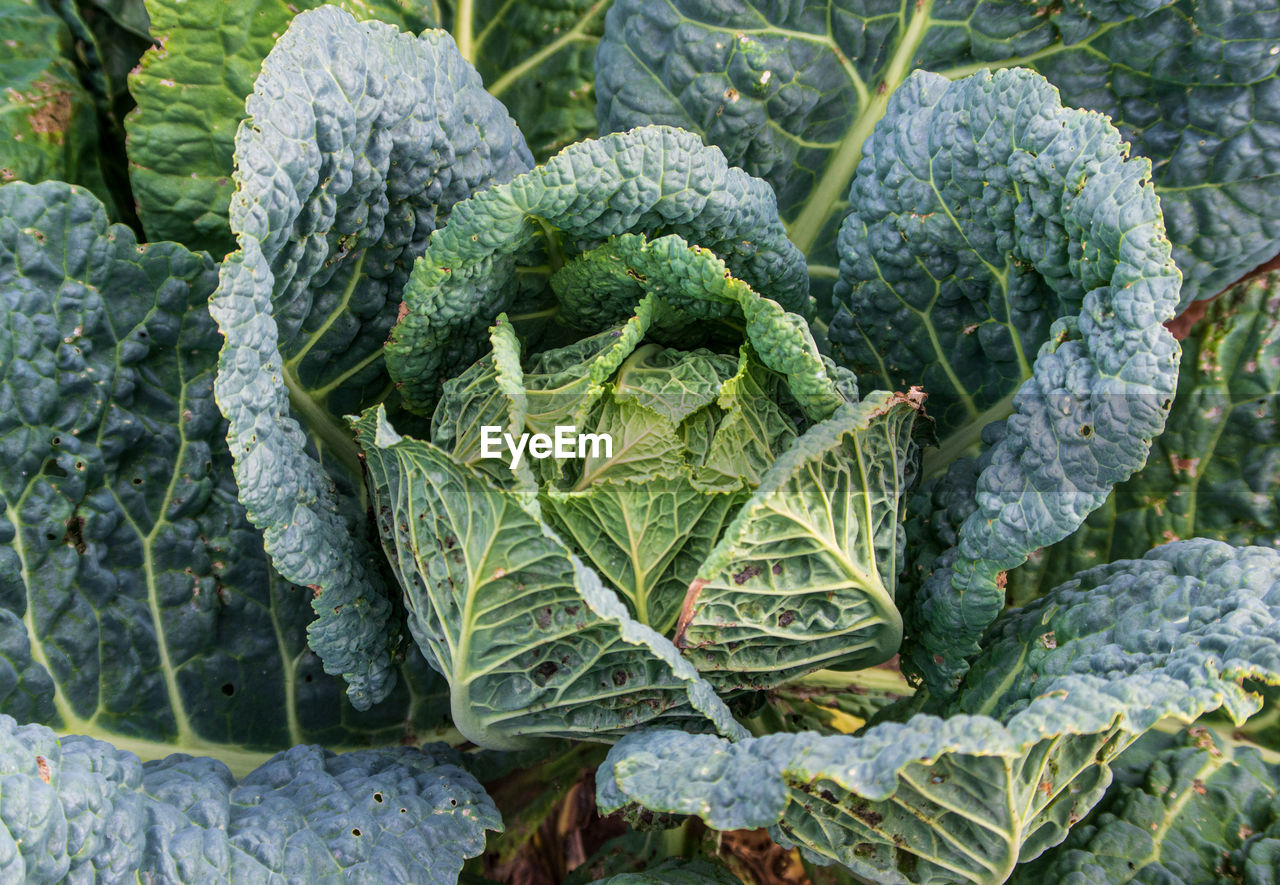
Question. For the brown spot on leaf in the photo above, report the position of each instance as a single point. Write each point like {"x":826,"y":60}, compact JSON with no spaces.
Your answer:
{"x":48,"y":107}
{"x":1184,"y":465}
{"x":867,"y":816}
{"x":42,"y":766}
{"x":75,"y":534}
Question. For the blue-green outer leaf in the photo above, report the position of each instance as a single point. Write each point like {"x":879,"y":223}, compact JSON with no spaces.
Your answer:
{"x":136,"y":601}
{"x":78,"y":809}
{"x":1215,"y":471}
{"x":1182,"y":811}
{"x":791,"y":91}
{"x":1002,"y":251}
{"x":358,"y":142}
{"x":1062,"y":686}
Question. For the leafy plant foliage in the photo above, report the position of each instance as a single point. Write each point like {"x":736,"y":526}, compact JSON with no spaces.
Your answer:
{"x":791,"y":92}
{"x":137,"y":602}
{"x":1024,"y":751}
{"x":93,"y":811}
{"x":305,"y":336}
{"x":806,"y":456}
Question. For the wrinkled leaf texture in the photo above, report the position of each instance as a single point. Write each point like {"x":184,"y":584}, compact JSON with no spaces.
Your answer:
{"x":77,"y":809}
{"x":1061,"y":687}
{"x":1001,"y":251}
{"x":790,"y":91}
{"x":359,"y":141}
{"x":1182,"y":811}
{"x":535,"y":57}
{"x":136,"y":602}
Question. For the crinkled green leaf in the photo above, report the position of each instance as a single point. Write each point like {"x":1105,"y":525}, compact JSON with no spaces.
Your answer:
{"x":652,"y":181}
{"x":645,"y":535}
{"x":692,"y":435}
{"x":1215,"y":471}
{"x":1003,"y":253}
{"x":634,"y":510}
{"x":1182,"y":811}
{"x":533,"y":645}
{"x":136,"y":601}
{"x":1061,"y":687}
{"x":77,"y":809}
{"x":360,"y":140}
{"x":804,"y":576}
{"x":49,"y":119}
{"x":537,"y":58}
{"x":791,"y":91}
{"x":603,"y":285}
{"x":190,"y":91}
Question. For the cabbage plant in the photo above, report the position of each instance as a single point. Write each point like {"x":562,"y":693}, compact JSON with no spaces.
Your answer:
{"x":809,"y":454}
{"x":745,"y":504}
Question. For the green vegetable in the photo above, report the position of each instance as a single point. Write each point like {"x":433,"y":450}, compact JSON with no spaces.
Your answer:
{"x":739,"y":476}
{"x":136,"y":603}
{"x":1181,"y":810}
{"x":1015,"y":265}
{"x":751,"y":487}
{"x":191,"y":89}
{"x":791,"y":94}
{"x":326,"y":229}
{"x":90,"y":812}
{"x":1215,"y":472}
{"x":1060,"y":688}
{"x":651,"y":182}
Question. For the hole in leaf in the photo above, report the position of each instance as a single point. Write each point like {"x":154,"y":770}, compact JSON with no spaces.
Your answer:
{"x":228,"y":689}
{"x":377,"y":797}
{"x":1086,"y":430}
{"x":355,"y":831}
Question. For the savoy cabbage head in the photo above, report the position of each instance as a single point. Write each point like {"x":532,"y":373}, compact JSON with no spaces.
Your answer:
{"x":810,"y":452}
